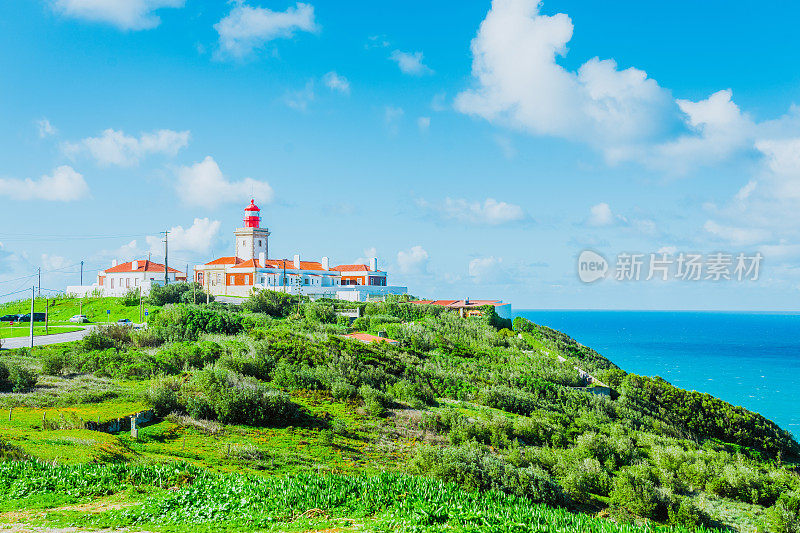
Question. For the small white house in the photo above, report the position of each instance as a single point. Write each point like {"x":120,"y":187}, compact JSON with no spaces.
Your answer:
{"x":120,"y":278}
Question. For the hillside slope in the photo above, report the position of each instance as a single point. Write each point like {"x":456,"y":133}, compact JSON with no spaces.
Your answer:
{"x":274,"y":389}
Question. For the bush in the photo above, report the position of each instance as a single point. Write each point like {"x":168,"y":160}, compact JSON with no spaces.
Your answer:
{"x":20,"y":379}
{"x":475,"y":468}
{"x":131,"y":298}
{"x":176,"y":293}
{"x":55,"y":362}
{"x":231,"y":398}
{"x":784,"y":516}
{"x":375,"y":401}
{"x":272,"y":303}
{"x":342,"y":390}
{"x":96,"y":340}
{"x":687,"y":513}
{"x":586,"y":478}
{"x":320,"y":312}
{"x":634,"y":489}
{"x":161,"y":396}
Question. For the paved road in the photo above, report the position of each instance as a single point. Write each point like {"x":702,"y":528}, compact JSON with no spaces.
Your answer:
{"x":41,"y":340}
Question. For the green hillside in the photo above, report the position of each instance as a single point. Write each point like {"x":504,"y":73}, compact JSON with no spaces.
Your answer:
{"x":269,"y":419}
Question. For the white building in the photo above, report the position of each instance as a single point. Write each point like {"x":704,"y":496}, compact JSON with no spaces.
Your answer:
{"x":120,"y":278}
{"x":251,"y":269}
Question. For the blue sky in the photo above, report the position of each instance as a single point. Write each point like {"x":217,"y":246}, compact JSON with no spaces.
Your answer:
{"x":475,"y":147}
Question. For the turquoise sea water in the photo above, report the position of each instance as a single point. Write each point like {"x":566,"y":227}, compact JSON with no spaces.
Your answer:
{"x":747,"y":359}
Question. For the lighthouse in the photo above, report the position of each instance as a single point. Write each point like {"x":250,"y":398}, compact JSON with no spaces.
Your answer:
{"x":251,"y":240}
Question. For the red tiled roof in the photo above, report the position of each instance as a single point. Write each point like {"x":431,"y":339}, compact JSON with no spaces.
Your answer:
{"x":250,"y":263}
{"x":367,"y":338}
{"x":459,"y":303}
{"x":353,"y":268}
{"x":145,"y":265}
{"x":225,"y":261}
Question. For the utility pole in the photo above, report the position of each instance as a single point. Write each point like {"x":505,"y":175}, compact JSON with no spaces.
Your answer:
{"x":33,"y":295}
{"x":81,"y":273}
{"x":166,"y":259}
{"x":39,"y":284}
{"x":46,"y":315}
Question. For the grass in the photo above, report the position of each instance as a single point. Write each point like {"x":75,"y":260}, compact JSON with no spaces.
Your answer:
{"x":7,"y":331}
{"x":60,"y":309}
{"x":166,"y":497}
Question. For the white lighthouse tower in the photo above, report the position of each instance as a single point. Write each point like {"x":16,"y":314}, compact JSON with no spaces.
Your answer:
{"x":251,"y":240}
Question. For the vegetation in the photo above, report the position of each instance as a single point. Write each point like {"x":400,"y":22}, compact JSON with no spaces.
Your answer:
{"x":465,"y":425}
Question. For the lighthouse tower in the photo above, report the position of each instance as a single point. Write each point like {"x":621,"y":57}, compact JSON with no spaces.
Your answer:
{"x":251,"y":240}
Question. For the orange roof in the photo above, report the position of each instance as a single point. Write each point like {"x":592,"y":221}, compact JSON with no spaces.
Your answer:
{"x":289,"y":265}
{"x":225,"y":261}
{"x":368,"y":338}
{"x":250,"y":263}
{"x":353,"y":268}
{"x":144,"y":265}
{"x":459,"y":303}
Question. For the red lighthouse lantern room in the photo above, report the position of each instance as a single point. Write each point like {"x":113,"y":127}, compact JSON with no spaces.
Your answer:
{"x":252,"y":215}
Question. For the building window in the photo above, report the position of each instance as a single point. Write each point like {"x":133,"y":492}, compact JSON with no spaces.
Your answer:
{"x":112,"y":283}
{"x":259,"y":242}
{"x":247,"y":280}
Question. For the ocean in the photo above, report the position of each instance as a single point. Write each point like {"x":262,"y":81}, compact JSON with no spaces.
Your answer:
{"x":747,"y":359}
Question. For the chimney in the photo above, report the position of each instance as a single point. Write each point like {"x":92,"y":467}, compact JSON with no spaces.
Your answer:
{"x":113,"y":262}
{"x":326,"y":264}
{"x":262,"y":259}
{"x":373,"y":264}
{"x":134,"y":265}
{"x":297,"y":261}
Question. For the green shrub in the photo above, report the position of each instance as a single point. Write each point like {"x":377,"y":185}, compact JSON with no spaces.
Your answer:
{"x":634,"y":489}
{"x":20,"y":379}
{"x":96,"y":340}
{"x":342,"y":390}
{"x":585,"y":478}
{"x":163,"y":399}
{"x":687,"y":513}
{"x":375,"y":401}
{"x":784,"y":516}
{"x":271,"y":303}
{"x":320,"y":312}
{"x":55,"y":362}
{"x":218,"y":394}
{"x":473,"y":467}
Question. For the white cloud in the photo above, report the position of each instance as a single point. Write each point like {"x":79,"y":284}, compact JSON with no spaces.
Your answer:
{"x":410,"y":63}
{"x":45,"y":128}
{"x":300,"y":100}
{"x":424,"y":124}
{"x":124,"y":14}
{"x":413,"y":260}
{"x":204,"y":185}
{"x":737,"y":235}
{"x":392,"y":116}
{"x":247,"y":28}
{"x":114,"y":147}
{"x":336,"y":82}
{"x":64,"y":185}
{"x":601,"y":215}
{"x":369,"y":253}
{"x":490,"y":211}
{"x":519,"y":83}
{"x":487,"y":270}
{"x":506,"y":146}
{"x":197,"y":238}
{"x":54,"y":262}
